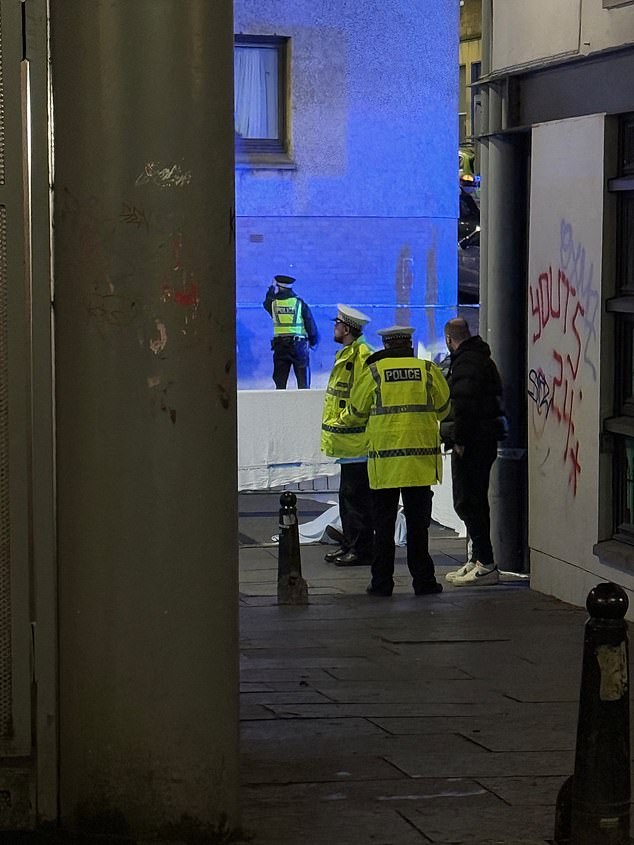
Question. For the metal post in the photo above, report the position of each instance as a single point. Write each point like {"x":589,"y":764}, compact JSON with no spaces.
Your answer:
{"x":291,"y":587}
{"x":593,"y":806}
{"x":601,"y":781}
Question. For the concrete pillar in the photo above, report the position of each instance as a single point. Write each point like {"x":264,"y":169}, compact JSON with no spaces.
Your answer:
{"x":506,"y":334}
{"x":503,"y":303}
{"x":146,"y":430}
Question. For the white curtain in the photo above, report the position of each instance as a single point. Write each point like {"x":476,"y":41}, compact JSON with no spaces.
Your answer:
{"x":256,"y":92}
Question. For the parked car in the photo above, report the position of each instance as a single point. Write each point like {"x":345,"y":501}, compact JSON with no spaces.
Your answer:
{"x":469,"y":218}
{"x":469,"y":268}
{"x":467,"y":176}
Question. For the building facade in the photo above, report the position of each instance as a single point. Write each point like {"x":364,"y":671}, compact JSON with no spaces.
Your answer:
{"x":558,"y":149}
{"x":353,"y":189}
{"x":470,"y":69}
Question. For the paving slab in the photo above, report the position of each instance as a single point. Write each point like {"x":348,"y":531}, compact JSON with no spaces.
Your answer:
{"x":413,"y":690}
{"x":524,"y":791}
{"x":361,"y":744}
{"x":261,"y":769}
{"x":384,"y":710}
{"x":414,"y":764}
{"x":334,"y":823}
{"x":444,"y":822}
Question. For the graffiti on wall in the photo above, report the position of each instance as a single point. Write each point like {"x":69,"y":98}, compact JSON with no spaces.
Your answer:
{"x":564,"y":308}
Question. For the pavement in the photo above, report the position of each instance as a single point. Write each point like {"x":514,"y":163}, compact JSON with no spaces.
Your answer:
{"x":405,"y":720}
{"x":393,"y":721}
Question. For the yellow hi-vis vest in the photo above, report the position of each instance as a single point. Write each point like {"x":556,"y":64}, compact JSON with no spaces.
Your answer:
{"x":403,"y":399}
{"x":337,"y":439}
{"x":287,"y":317}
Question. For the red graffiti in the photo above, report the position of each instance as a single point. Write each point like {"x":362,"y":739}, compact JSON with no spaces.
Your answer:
{"x":179,"y":285}
{"x":556,"y":301}
{"x":543,"y":302}
{"x":575,"y":467}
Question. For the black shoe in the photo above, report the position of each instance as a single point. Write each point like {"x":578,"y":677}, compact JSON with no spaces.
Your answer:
{"x":428,"y":589}
{"x":378,"y":591}
{"x":350,"y":559}
{"x":331,"y":557}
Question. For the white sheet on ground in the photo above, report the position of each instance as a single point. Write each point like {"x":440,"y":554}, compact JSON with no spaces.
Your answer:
{"x":315,"y":531}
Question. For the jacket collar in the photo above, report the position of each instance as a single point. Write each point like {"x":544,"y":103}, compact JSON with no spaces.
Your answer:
{"x":390,"y":353}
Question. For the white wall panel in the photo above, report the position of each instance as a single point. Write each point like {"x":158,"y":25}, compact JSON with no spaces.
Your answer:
{"x":525,"y":32}
{"x":529,"y":33}
{"x":565,"y":251}
{"x":602,"y":28}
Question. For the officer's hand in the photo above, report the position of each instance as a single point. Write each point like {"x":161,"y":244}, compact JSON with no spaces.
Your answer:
{"x":459,"y":450}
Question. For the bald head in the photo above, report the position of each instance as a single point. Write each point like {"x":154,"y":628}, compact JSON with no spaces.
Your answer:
{"x":456,"y":332}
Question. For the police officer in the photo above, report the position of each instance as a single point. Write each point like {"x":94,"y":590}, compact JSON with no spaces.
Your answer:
{"x":348,"y":443}
{"x":402,"y":398}
{"x":294,"y":330}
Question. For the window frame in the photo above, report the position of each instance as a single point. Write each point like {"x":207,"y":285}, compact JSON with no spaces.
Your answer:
{"x":621,"y":425}
{"x":268,"y":151}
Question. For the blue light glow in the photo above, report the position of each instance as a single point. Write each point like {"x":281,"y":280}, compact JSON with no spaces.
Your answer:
{"x":367,"y":216}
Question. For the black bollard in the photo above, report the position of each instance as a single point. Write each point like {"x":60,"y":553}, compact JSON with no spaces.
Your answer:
{"x":598,"y":799}
{"x":291,"y":587}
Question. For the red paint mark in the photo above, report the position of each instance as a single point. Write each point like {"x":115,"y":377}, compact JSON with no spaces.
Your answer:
{"x":179,"y":283}
{"x":189,"y":297}
{"x":575,"y":468}
{"x":177,"y":252}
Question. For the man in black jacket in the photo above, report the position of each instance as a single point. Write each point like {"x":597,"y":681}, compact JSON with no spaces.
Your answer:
{"x":472,"y":430}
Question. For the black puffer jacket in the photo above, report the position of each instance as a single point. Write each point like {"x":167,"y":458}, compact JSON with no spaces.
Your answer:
{"x":476,"y":396}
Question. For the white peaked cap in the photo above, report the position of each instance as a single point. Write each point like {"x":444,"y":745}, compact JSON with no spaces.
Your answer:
{"x":397,"y":332}
{"x":351,"y":317}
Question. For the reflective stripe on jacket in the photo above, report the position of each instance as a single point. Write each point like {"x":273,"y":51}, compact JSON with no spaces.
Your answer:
{"x":403,"y":398}
{"x":287,"y":317}
{"x":341,"y":440}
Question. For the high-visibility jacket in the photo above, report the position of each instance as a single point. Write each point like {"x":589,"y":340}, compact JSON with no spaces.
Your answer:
{"x":403,"y":399}
{"x":287,"y":317}
{"x":338,"y":439}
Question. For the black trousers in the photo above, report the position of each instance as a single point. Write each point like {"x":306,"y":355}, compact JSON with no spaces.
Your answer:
{"x":470,"y":486}
{"x":355,"y":509}
{"x":290,"y":352}
{"x":417,"y":508}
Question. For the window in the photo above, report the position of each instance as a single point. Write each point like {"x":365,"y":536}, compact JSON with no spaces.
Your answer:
{"x":612,"y":4}
{"x":462,"y":104}
{"x":621,"y":425}
{"x":260,"y":97}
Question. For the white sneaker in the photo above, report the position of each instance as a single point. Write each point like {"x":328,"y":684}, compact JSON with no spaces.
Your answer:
{"x":459,"y":573}
{"x":479,"y":576}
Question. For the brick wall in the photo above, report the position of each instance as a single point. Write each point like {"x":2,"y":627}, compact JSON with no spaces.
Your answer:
{"x":397,"y":270}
